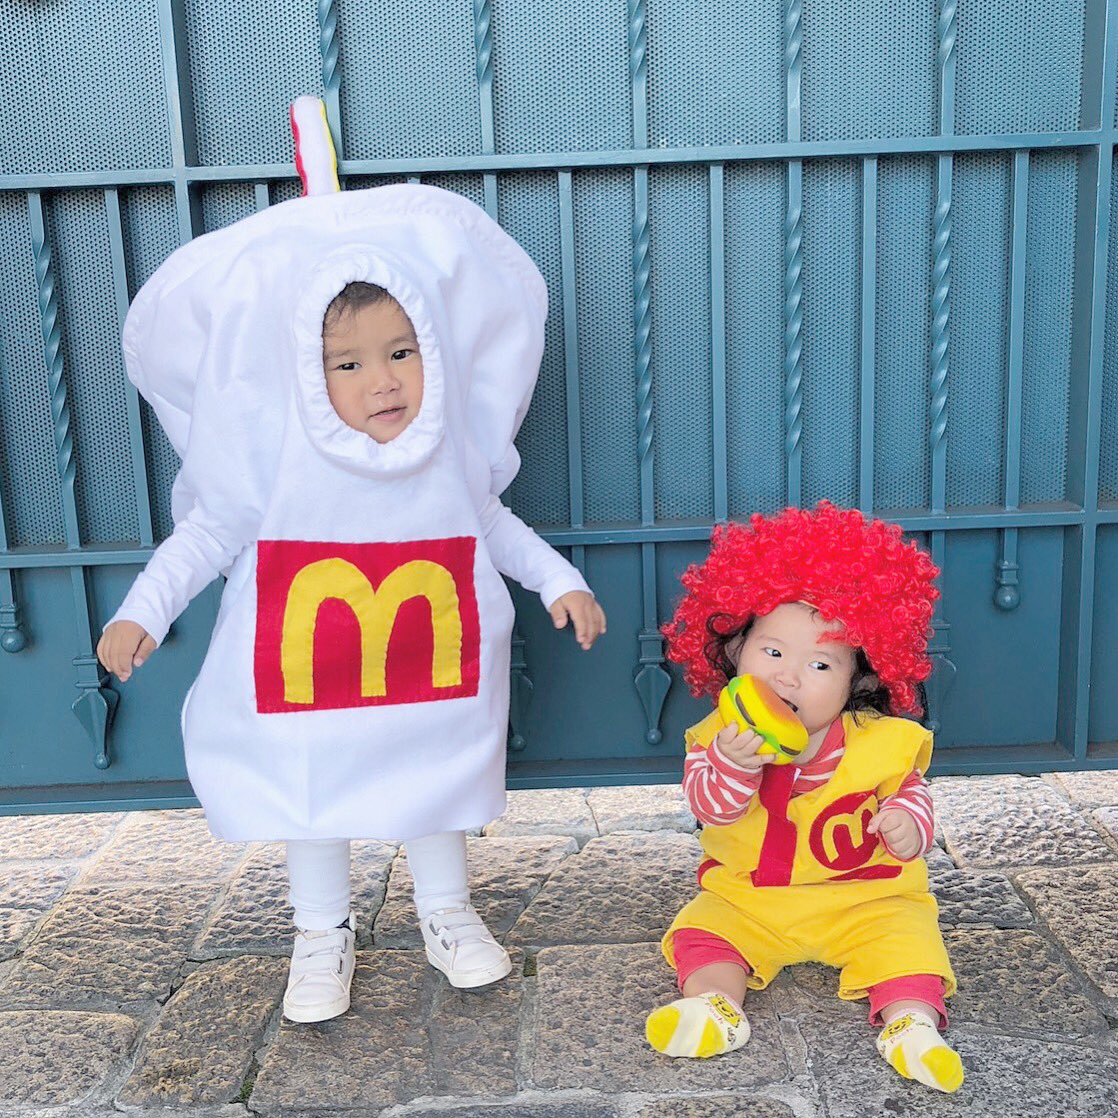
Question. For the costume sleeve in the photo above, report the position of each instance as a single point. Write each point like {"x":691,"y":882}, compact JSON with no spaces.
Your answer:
{"x":718,"y":791}
{"x":518,"y":552}
{"x":181,"y":567}
{"x":914,"y":797}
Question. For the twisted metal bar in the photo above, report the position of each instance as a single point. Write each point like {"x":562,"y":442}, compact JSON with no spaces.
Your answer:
{"x":483,"y":52}
{"x":793,"y":332}
{"x":52,"y":352}
{"x":329,"y":47}
{"x":793,"y":65}
{"x":520,"y":695}
{"x":95,"y":704}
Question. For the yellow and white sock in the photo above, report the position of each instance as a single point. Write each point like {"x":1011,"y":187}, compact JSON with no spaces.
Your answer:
{"x":704,"y":1026}
{"x":912,"y":1046}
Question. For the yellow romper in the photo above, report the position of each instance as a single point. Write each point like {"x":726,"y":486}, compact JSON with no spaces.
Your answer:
{"x":799,"y":880}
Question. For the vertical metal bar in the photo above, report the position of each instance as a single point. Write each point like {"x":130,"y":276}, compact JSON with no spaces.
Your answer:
{"x":94,"y":705}
{"x":263,"y":196}
{"x":719,"y":414}
{"x":132,"y":399}
{"x":1092,"y":238}
{"x":180,"y":114}
{"x":12,"y":636}
{"x":570,"y":360}
{"x":483,"y":46}
{"x":793,"y":258}
{"x":939,"y":646}
{"x":1007,"y":595}
{"x":651,"y":680}
{"x":328,"y":47}
{"x":868,"y":346}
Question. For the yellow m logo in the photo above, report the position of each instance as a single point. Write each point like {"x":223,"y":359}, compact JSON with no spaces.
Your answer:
{"x":376,"y":612}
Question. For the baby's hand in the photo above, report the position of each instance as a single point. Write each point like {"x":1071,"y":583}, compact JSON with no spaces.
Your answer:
{"x":742,"y":748}
{"x":123,"y":646}
{"x":588,"y":617}
{"x":898,"y":830}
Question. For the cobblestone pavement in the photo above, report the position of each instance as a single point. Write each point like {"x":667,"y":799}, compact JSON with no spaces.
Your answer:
{"x":142,"y":964}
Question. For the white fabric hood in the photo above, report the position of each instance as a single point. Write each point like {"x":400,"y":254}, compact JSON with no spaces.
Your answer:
{"x":231,"y":323}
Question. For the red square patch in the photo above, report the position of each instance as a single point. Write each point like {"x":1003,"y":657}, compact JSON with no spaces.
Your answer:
{"x":353,"y":625}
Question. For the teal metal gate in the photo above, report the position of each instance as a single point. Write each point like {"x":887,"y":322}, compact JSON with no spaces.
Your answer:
{"x":795,"y":250}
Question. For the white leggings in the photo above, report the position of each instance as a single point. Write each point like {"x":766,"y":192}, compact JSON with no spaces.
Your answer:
{"x":318,"y":871}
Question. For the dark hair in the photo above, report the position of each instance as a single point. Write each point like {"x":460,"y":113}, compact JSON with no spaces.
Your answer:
{"x":867,"y":693}
{"x":352,"y":298}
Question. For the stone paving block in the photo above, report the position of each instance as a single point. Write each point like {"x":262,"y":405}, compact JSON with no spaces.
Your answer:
{"x":650,"y":807}
{"x":622,"y":888}
{"x":1009,"y":981}
{"x":1080,"y":909}
{"x":573,"y":1108}
{"x":1010,"y":1077}
{"x":1089,"y":789}
{"x":60,"y":1058}
{"x":400,"y":1040}
{"x":201,"y":1048}
{"x":719,"y":1106}
{"x":164,"y":846}
{"x":978,"y":897}
{"x":108,"y":947}
{"x":592,"y":1002}
{"x":505,"y":874}
{"x":546,"y":811}
{"x":254,"y":915}
{"x":938,"y":859}
{"x":1012,"y":980}
{"x":1107,"y":819}
{"x":65,"y":837}
{"x":26,"y":893}
{"x":1008,"y":821}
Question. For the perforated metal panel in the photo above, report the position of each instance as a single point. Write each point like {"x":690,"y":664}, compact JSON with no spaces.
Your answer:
{"x":681,"y":348}
{"x":1018,"y":65}
{"x":1108,"y":464}
{"x":832,"y":281}
{"x":417,"y":95}
{"x":268,"y":47}
{"x":754,"y":337}
{"x":1053,"y":192}
{"x":869,"y":69}
{"x":722,"y":88}
{"x":65,"y":65}
{"x":902,"y":466}
{"x":529,"y":208}
{"x":979,"y":329}
{"x":561,"y":76}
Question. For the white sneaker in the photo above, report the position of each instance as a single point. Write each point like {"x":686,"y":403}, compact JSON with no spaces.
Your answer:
{"x":461,"y":946}
{"x":321,"y":971}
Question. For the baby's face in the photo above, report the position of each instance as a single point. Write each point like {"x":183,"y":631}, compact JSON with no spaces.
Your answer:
{"x":811,"y":675}
{"x":374,"y":374}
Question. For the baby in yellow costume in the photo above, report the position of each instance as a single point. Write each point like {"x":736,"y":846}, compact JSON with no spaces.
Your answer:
{"x":819,"y":860}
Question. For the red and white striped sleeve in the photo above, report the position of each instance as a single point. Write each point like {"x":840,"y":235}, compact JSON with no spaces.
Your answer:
{"x":717,"y":790}
{"x":914,"y":797}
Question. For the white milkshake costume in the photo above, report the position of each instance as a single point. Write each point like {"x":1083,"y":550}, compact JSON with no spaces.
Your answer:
{"x":363,"y":636}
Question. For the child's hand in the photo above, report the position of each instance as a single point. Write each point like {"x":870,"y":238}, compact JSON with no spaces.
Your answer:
{"x":588,"y":617}
{"x":123,"y":646}
{"x":742,"y":748}
{"x":898,"y":830}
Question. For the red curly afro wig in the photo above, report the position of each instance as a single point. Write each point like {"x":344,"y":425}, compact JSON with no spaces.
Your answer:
{"x":858,"y":573}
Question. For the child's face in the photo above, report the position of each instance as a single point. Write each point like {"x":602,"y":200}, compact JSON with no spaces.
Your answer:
{"x":374,"y":374}
{"x":783,"y":649}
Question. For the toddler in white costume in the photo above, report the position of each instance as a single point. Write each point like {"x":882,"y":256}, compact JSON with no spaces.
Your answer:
{"x":356,"y":685}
